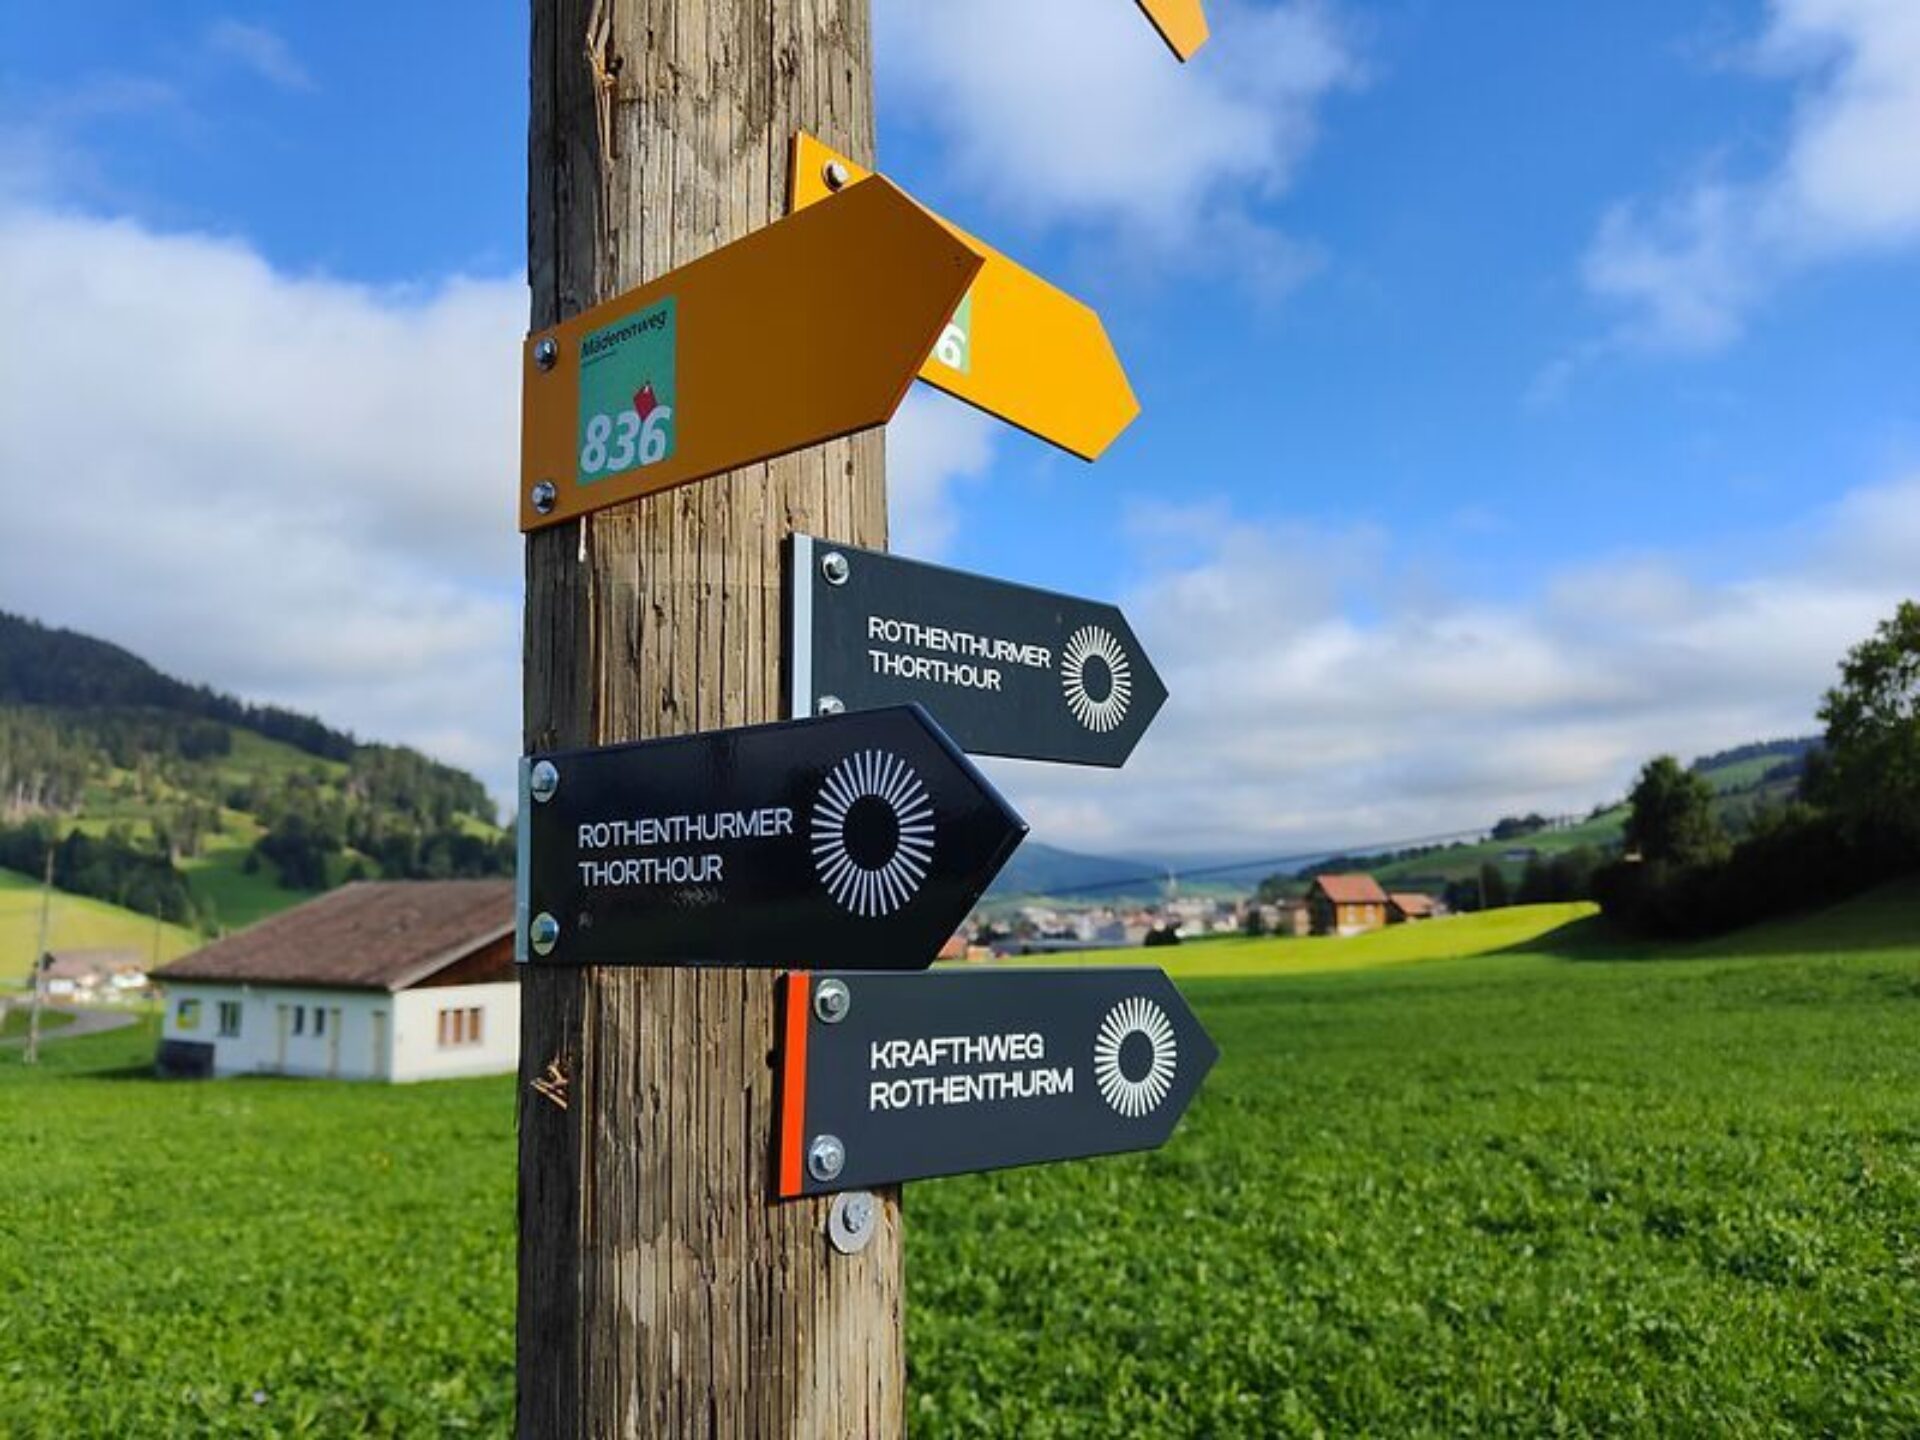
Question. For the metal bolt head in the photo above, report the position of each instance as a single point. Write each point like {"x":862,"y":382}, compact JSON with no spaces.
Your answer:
{"x":851,"y":1221}
{"x":545,"y":352}
{"x":835,"y":174}
{"x":545,"y":495}
{"x":544,"y":781}
{"x":834,"y":568}
{"x":832,"y":1000}
{"x":544,"y":933}
{"x":826,"y":1157}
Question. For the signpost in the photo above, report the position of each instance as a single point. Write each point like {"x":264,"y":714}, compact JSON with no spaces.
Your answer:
{"x":890,"y":1077}
{"x":1016,"y":346}
{"x":1007,"y":670}
{"x":661,"y":1290}
{"x":1181,"y":23}
{"x":809,"y":328}
{"x":862,"y":840}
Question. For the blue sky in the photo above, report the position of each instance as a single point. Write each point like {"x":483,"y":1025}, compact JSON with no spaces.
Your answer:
{"x":1524,"y":391}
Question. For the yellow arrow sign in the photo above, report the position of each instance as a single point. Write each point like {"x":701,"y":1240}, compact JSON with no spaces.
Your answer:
{"x":1181,"y":23}
{"x":807,"y":329}
{"x":1015,"y":346}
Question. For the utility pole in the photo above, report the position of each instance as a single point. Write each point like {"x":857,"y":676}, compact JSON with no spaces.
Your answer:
{"x":32,"y":1056}
{"x":663,"y":1288}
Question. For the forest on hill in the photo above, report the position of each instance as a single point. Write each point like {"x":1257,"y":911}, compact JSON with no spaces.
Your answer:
{"x":180,"y":802}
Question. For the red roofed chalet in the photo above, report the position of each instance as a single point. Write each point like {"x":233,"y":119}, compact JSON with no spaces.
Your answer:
{"x":398,"y":980}
{"x":1346,"y":904}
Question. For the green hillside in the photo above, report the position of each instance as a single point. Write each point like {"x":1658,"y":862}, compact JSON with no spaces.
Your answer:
{"x":1742,"y":780}
{"x":77,"y":924}
{"x":1571,"y":1187}
{"x":175,"y":801}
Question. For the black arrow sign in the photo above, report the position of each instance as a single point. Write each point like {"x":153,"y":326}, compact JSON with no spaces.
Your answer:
{"x":859,"y":841}
{"x":899,"y":1077}
{"x":1006,"y":669}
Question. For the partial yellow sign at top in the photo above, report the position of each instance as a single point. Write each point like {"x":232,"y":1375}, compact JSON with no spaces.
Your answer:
{"x":1181,"y":23}
{"x":1016,"y":346}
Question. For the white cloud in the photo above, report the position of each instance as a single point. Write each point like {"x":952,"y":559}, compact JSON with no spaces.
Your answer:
{"x":1072,"y":114}
{"x":256,"y":48}
{"x":298,"y":489}
{"x":933,"y":444}
{"x":1294,"y":725}
{"x":1687,"y":270}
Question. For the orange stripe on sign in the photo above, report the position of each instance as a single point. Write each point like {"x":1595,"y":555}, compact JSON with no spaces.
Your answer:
{"x":793,"y":1084}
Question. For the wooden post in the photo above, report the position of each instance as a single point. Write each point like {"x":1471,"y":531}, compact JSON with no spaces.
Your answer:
{"x":662,"y":1290}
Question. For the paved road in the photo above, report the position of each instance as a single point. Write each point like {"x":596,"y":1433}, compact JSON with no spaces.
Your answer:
{"x":85,"y":1022}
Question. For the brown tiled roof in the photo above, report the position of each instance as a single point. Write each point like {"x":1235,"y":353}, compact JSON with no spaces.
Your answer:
{"x":1412,"y":902}
{"x":369,"y":936}
{"x":1351,"y":889}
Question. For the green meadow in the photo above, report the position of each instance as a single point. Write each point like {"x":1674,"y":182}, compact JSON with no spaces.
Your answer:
{"x":1447,"y":938}
{"x":1567,"y":1186}
{"x":75,"y":923}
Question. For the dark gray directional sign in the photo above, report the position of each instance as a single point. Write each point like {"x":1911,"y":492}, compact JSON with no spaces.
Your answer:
{"x":893,"y":1077}
{"x":1006,"y":670}
{"x":859,"y":841}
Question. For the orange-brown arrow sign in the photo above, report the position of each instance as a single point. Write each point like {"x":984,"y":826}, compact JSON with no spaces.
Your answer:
{"x":1181,"y":23}
{"x":807,"y":329}
{"x":1015,"y":346}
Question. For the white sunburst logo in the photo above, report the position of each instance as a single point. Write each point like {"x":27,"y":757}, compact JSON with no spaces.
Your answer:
{"x":1135,"y":1096}
{"x":1097,"y":709}
{"x":872,"y":833}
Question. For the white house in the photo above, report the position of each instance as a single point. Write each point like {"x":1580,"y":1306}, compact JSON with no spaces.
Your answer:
{"x":399,"y":980}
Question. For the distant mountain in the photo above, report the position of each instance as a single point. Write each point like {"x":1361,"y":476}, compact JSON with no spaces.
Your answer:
{"x":180,"y":802}
{"x":1038,"y":869}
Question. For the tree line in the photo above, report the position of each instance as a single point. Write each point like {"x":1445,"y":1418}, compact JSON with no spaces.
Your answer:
{"x":1855,"y":824}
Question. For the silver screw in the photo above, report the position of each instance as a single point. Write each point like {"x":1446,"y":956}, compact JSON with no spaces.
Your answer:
{"x":544,"y":781}
{"x":831,"y":705}
{"x":833,"y":565}
{"x":826,"y":1157}
{"x":545,"y":494}
{"x":545,"y":352}
{"x":835,"y":174}
{"x":544,"y":932}
{"x":850,"y":1222}
{"x":832,"y":1000}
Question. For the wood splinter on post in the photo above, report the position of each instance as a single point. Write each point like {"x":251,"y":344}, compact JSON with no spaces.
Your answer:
{"x":552,"y":1085}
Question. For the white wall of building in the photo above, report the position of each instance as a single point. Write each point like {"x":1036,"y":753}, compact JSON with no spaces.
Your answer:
{"x":418,"y":1053}
{"x":365,"y":1035}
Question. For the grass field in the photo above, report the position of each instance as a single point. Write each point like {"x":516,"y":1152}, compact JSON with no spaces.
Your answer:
{"x":1447,"y":938}
{"x":1565,"y":1188}
{"x":77,"y":924}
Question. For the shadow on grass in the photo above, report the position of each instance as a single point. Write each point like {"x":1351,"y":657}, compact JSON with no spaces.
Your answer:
{"x":1590,"y":938}
{"x":1885,"y":917}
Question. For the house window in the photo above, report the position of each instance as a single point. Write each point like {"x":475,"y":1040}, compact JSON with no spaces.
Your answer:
{"x":319,"y":1020}
{"x":460,"y":1027}
{"x":186,"y":1015}
{"x":229,"y":1019}
{"x":299,"y":1019}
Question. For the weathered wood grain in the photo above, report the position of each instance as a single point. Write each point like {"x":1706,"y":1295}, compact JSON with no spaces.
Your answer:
{"x":662,"y":1290}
